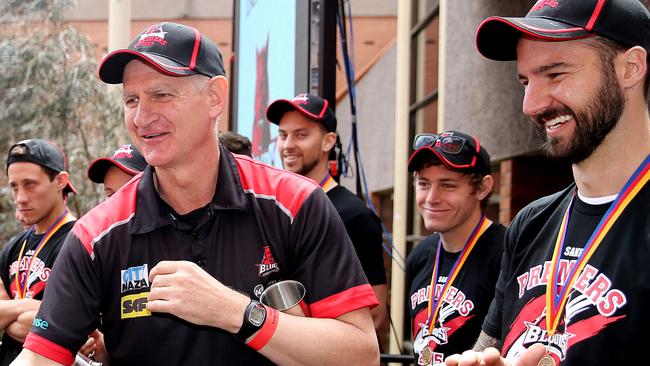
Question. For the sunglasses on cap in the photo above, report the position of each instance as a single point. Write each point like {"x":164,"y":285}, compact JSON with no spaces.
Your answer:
{"x":447,"y":144}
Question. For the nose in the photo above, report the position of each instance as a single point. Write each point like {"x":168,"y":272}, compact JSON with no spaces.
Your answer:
{"x":433,"y":195}
{"x":142,"y":114}
{"x":19,"y":197}
{"x":536,"y":99}
{"x":289,"y":141}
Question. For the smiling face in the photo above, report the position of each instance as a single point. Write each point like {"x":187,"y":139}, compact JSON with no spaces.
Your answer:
{"x":169,"y":118}
{"x":571,"y":94}
{"x":446,"y":199}
{"x":303,"y":145}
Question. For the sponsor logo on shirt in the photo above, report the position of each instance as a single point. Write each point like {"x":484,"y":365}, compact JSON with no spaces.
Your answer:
{"x":268,"y":264}
{"x":134,"y":278}
{"x":134,"y":306}
{"x":40,"y":323}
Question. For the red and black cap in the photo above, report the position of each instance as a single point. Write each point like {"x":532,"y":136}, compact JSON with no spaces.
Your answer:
{"x":311,"y":106}
{"x":455,"y":150}
{"x":171,"y":48}
{"x":40,"y":152}
{"x":127,"y":158}
{"x":626,"y":22}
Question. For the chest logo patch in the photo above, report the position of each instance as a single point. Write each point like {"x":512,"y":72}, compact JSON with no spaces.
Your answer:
{"x":134,"y":278}
{"x":268,"y":264}
{"x":135,"y":306}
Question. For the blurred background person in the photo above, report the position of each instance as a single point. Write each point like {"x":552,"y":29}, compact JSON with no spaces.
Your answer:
{"x":113,"y":172}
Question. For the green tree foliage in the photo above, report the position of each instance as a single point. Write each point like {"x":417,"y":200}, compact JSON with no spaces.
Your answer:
{"x":49,"y":89}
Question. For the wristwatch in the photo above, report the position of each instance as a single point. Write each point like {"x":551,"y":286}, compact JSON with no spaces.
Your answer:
{"x":254,"y":318}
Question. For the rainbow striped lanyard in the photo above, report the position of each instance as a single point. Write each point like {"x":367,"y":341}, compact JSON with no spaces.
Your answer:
{"x":435,"y":303}
{"x":327,"y":183}
{"x":556,"y":301}
{"x":22,"y":285}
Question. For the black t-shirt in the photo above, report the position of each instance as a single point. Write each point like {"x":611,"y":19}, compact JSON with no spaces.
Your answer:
{"x":471,"y":294}
{"x":606,"y":317}
{"x":41,"y":269}
{"x":364,"y":229}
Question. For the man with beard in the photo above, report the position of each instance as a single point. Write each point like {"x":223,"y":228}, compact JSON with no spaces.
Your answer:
{"x":574,"y":275}
{"x":306,"y":136}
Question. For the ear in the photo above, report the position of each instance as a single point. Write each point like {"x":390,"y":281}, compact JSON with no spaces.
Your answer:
{"x":61,"y":180}
{"x":218,"y":94}
{"x":328,"y":141}
{"x":634,"y":65}
{"x":486,"y":187}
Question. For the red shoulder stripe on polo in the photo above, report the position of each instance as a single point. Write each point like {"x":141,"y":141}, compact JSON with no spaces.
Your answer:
{"x":49,"y":349}
{"x":338,"y":304}
{"x":289,"y":190}
{"x":119,"y":209}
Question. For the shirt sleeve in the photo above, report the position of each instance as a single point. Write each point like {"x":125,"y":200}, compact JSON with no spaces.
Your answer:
{"x":70,"y":307}
{"x":325,"y":262}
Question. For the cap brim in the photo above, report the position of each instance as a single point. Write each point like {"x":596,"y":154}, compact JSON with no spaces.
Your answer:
{"x":418,"y":157}
{"x":98,"y":168}
{"x":111,"y":69}
{"x":497,"y":37}
{"x":277,"y":109}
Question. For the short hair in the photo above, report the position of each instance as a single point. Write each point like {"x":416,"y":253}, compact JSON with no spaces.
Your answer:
{"x":235,"y":142}
{"x":609,"y":49}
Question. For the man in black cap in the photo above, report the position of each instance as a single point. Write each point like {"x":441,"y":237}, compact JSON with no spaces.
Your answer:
{"x":306,"y":137}
{"x":114,"y":171}
{"x":574,"y":276}
{"x":174,"y":262}
{"x":36,"y":171}
{"x":451,"y":274}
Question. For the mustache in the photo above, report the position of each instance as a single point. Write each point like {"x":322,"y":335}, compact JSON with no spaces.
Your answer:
{"x":551,"y":113}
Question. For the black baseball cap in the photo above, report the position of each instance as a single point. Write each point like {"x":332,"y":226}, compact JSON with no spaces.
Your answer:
{"x":126,"y":157}
{"x":311,"y":106}
{"x":171,"y":48}
{"x":43,"y":153}
{"x":455,"y":150}
{"x":627,"y":22}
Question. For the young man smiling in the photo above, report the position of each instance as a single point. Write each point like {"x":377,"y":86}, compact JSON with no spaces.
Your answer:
{"x":452,"y":273}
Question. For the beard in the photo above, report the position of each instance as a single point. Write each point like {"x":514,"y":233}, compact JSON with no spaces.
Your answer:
{"x":593,"y":123}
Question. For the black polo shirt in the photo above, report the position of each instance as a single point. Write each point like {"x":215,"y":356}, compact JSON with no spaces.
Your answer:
{"x":263,"y":225}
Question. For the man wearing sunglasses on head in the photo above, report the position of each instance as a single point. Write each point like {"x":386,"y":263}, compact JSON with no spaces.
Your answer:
{"x":452,"y":273}
{"x":573,"y":288}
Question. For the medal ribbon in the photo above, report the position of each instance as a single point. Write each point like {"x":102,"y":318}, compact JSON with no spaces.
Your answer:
{"x":435,"y":303}
{"x":555,"y":302}
{"x":21,"y":286}
{"x":327,"y":183}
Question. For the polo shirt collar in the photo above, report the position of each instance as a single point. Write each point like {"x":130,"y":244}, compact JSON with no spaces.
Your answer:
{"x":151,"y":213}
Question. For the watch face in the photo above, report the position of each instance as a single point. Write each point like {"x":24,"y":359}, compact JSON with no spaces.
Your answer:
{"x":257,"y":315}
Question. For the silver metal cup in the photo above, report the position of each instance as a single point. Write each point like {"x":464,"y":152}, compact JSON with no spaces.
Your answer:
{"x":283,"y":295}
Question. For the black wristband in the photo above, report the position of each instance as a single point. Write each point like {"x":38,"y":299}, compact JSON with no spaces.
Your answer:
{"x":254,"y":318}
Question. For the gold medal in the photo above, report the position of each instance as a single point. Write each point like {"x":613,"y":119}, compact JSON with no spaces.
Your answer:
{"x":547,"y":360}
{"x":425,"y":356}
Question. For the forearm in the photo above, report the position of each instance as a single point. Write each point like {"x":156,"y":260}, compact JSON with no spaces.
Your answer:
{"x":29,"y":358}
{"x":349,"y":339}
{"x":10,"y":310}
{"x":484,"y":341}
{"x":18,"y":330}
